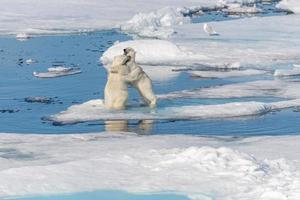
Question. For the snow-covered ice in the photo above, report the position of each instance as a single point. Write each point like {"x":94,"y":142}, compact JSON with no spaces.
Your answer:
{"x":158,"y":24}
{"x":152,"y":52}
{"x":227,"y":74}
{"x":54,"y":72}
{"x":199,"y":167}
{"x":238,"y":9}
{"x":95,"y":110}
{"x":30,"y":61}
{"x":288,"y":72}
{"x":261,"y":88}
{"x":55,"y":16}
{"x":292,"y":5}
{"x":256,"y":41}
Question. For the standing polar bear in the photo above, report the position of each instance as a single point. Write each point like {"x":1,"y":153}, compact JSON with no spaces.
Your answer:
{"x":139,"y":79}
{"x":116,"y":89}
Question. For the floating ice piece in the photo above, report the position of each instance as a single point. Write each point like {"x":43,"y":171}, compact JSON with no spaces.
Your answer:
{"x":30,"y":61}
{"x":22,"y":36}
{"x":57,"y":72}
{"x":60,"y":69}
{"x":292,"y":5}
{"x":44,"y":100}
{"x":296,"y":65}
{"x":95,"y":110}
{"x":209,"y":30}
{"x":227,"y":74}
{"x":252,"y":167}
{"x":287,"y":72}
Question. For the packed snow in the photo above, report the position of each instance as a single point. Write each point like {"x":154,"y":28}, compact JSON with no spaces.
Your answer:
{"x":151,"y":52}
{"x":94,"y":110}
{"x":227,"y":74}
{"x":261,"y":88}
{"x":257,"y":41}
{"x":208,"y":168}
{"x":158,"y":24}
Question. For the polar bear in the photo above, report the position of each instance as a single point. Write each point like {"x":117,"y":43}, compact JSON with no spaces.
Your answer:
{"x":116,"y":89}
{"x":139,"y":79}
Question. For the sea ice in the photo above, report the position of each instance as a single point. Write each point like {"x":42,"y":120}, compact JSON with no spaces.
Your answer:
{"x":227,"y":74}
{"x":152,"y":52}
{"x":208,"y":167}
{"x":256,"y":42}
{"x":158,"y":24}
{"x":288,"y":72}
{"x":94,"y":110}
{"x":57,"y":72}
{"x":292,"y":5}
{"x":262,"y":88}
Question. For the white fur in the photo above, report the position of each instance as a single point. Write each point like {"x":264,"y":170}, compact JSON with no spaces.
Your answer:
{"x":139,"y":79}
{"x":116,"y":90}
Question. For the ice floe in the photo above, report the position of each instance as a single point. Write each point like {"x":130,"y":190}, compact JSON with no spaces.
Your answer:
{"x":22,"y":36}
{"x":57,"y":72}
{"x":30,"y":61}
{"x":44,"y":100}
{"x":263,"y":88}
{"x":158,"y":24}
{"x":198,"y":167}
{"x":288,"y":72}
{"x":292,"y":5}
{"x":94,"y":110}
{"x":227,"y":74}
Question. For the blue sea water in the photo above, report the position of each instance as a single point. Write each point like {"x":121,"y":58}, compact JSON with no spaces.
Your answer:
{"x":84,"y":50}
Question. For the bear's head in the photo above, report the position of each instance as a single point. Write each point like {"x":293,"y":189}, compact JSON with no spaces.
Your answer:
{"x":130,"y":52}
{"x":120,"y":60}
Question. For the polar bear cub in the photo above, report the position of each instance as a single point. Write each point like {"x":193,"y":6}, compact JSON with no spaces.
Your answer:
{"x":139,"y":79}
{"x":116,"y":89}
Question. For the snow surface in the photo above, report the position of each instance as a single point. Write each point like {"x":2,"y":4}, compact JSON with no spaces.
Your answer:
{"x":158,"y":24}
{"x":262,"y":88}
{"x":151,"y":52}
{"x":95,"y":110}
{"x":68,"y":16}
{"x":227,"y":74}
{"x":256,"y":41}
{"x":200,"y":167}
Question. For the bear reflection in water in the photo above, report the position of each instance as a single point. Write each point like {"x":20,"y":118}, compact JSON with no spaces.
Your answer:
{"x":142,"y":127}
